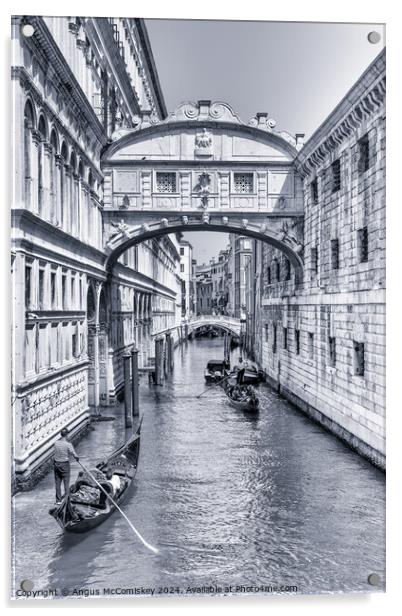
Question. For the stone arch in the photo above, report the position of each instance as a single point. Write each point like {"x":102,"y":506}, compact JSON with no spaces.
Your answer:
{"x":29,"y":113}
{"x":42,"y":127}
{"x":54,"y":140}
{"x":64,"y":151}
{"x":270,"y":233}
{"x":226,"y":328}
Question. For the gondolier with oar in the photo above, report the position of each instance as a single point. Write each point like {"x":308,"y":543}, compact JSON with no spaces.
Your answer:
{"x":63,"y":449}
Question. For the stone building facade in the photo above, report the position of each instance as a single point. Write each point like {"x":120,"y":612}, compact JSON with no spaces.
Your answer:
{"x":322,"y":342}
{"x":76,"y":82}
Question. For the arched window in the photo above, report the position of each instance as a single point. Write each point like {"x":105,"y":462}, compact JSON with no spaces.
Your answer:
{"x":54,"y":142}
{"x":41,"y":176}
{"x":29,"y":125}
{"x":63,"y":185}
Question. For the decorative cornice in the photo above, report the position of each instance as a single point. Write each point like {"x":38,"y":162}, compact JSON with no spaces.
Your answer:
{"x":364,"y":99}
{"x":72,"y":89}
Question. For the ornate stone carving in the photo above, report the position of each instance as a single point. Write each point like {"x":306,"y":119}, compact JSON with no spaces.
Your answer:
{"x":121,"y":227}
{"x":203,"y":143}
{"x":290,"y":235}
{"x":164,"y":222}
{"x":225,"y":220}
{"x":205,"y":218}
{"x":244,"y":223}
{"x":184,"y":220}
{"x":204,"y":181}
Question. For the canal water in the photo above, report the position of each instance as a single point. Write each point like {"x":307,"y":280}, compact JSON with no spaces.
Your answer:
{"x":228,"y":500}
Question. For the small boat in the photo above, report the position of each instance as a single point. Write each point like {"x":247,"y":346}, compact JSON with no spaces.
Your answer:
{"x":86,"y":506}
{"x":216,"y":370}
{"x":251,"y":375}
{"x":243,"y":398}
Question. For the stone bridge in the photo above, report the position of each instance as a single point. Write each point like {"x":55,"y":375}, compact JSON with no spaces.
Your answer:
{"x":203,"y":169}
{"x":229,"y":324}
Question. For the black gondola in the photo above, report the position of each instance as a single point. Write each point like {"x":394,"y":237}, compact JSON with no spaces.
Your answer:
{"x":216,"y":370}
{"x":86,"y":506}
{"x":242,"y":398}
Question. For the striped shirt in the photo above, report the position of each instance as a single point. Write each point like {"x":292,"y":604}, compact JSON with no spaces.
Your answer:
{"x":62,"y":450}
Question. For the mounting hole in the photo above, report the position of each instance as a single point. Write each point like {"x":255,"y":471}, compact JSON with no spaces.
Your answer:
{"x":26,"y":585}
{"x":374,"y":579}
{"x":28,"y":30}
{"x":374,"y":37}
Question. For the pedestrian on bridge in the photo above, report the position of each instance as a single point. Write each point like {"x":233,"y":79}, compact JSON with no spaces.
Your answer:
{"x":63,"y":449}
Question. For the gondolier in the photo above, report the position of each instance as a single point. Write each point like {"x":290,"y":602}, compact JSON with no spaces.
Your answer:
{"x":63,"y":449}
{"x":240,"y":371}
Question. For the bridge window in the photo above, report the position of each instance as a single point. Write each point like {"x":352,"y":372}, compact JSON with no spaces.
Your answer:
{"x":336,"y":175}
{"x":243,"y":183}
{"x":165,"y":182}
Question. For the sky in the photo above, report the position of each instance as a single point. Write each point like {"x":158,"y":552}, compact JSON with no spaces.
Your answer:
{"x":297,"y":72}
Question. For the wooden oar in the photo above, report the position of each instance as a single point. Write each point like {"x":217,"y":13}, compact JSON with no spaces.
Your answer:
{"x":214,"y":384}
{"x":147,"y":545}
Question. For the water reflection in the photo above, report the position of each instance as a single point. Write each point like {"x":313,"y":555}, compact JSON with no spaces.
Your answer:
{"x":225,"y":496}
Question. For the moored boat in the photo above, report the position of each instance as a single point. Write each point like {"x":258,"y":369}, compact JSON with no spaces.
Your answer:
{"x":86,"y":505}
{"x":216,"y":370}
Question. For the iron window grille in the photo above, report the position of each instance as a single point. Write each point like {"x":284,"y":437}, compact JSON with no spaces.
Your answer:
{"x":335,"y":253}
{"x":358,"y":348}
{"x":336,"y":175}
{"x":364,"y":154}
{"x":243,"y":183}
{"x":332,"y":351}
{"x":165,"y":182}
{"x":362,"y":236}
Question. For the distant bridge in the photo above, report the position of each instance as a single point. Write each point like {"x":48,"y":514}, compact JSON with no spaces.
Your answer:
{"x":229,"y":324}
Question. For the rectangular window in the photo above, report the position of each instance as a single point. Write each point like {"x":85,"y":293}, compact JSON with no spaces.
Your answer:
{"x":331,"y":351}
{"x":182,"y":251}
{"x":362,"y":241}
{"x":287,"y":269}
{"x":364,"y":154}
{"x":268,"y":275}
{"x":314,"y":191}
{"x":274,"y":339}
{"x":41,"y":298}
{"x":28,"y":280}
{"x":165,"y":182}
{"x":297,"y":341}
{"x":75,"y":341}
{"x":266,"y":332}
{"x":358,"y":348}
{"x":64,"y":290}
{"x":335,"y":253}
{"x":53,"y":289}
{"x":243,"y":183}
{"x":310,"y":341}
{"x":181,"y":267}
{"x":314,"y":260}
{"x":285,"y":338}
{"x":336,"y":175}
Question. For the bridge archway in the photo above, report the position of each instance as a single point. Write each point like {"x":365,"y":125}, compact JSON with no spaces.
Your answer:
{"x":126,"y":237}
{"x":203,"y":169}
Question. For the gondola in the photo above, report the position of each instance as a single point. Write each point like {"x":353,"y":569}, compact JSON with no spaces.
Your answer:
{"x":246,"y":400}
{"x":216,"y":370}
{"x":86,"y":506}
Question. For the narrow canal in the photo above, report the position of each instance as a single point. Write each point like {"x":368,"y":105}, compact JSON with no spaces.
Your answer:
{"x":228,"y":499}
